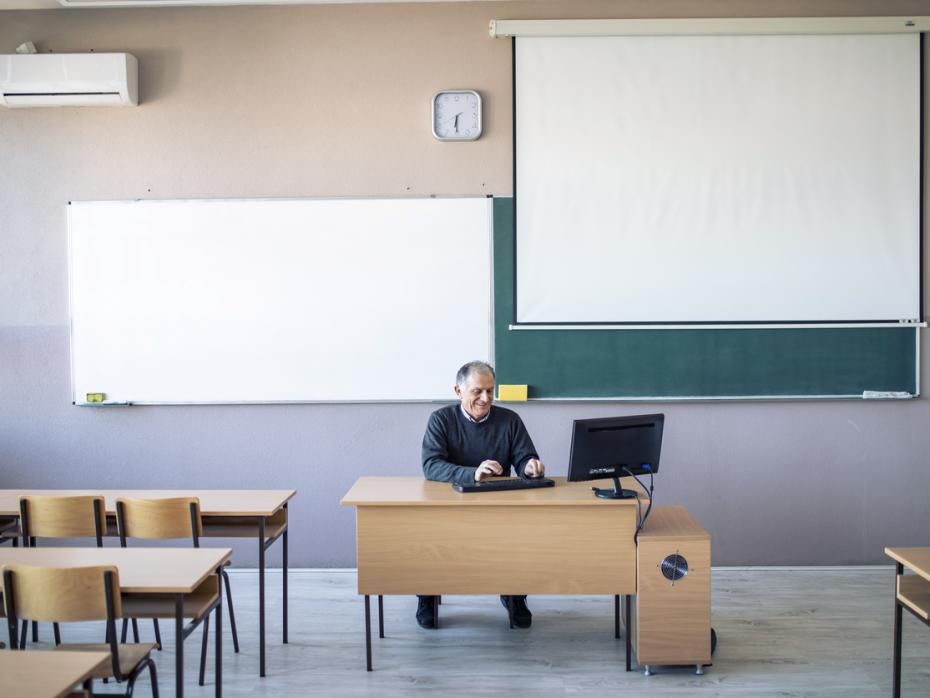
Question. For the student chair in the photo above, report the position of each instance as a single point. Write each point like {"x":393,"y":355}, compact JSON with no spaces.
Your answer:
{"x":162,"y":519}
{"x":75,"y":594}
{"x":60,"y":517}
{"x":9,"y":533}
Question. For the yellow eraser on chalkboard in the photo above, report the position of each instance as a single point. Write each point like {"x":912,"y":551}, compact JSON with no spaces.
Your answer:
{"x":96,"y":397}
{"x":514,"y":393}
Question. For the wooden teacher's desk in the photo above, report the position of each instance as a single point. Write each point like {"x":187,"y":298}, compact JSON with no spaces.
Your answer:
{"x":189,"y":575}
{"x":420,"y":537}
{"x":260,"y":514}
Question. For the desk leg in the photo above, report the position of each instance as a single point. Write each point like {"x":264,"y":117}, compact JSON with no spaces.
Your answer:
{"x":629,"y":634}
{"x":896,"y":671}
{"x":616,"y":617}
{"x":368,"y":632}
{"x":284,"y":574}
{"x":380,"y":616}
{"x":179,"y":645}
{"x":261,"y":596}
{"x":218,"y":669}
{"x":203,"y":649}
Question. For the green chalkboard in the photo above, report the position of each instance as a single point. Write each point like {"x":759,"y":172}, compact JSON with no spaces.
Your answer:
{"x":697,"y":363}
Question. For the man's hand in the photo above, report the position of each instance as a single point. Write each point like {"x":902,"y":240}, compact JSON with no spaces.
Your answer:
{"x":487,"y":469}
{"x":534,"y":468}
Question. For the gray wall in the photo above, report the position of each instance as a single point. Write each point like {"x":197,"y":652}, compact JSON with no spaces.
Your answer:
{"x":280,"y":101}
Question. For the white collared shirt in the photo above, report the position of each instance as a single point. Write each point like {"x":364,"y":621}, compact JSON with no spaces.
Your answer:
{"x":472,"y":419}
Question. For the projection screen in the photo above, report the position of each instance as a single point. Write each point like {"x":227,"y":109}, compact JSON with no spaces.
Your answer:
{"x":717,"y":179}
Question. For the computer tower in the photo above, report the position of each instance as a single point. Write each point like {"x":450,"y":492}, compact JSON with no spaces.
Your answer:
{"x":671,"y":623}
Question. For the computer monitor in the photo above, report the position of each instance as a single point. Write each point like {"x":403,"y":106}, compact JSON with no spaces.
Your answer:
{"x":614,"y":447}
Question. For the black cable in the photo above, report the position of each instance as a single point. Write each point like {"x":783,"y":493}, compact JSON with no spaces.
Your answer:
{"x":650,"y":489}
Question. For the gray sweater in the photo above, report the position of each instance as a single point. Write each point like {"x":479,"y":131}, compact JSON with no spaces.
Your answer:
{"x":453,"y":446}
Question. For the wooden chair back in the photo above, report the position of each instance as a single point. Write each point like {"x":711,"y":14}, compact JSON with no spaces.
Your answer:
{"x":61,"y":594}
{"x":176,"y":517}
{"x":63,"y":517}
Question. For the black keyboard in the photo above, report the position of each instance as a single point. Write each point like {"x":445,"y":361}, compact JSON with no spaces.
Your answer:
{"x":506,"y":484}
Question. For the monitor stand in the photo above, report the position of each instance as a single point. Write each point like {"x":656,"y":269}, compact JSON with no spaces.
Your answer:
{"x":616,"y":493}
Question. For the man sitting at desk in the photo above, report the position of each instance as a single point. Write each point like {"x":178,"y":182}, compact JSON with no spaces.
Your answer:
{"x":473,"y":441}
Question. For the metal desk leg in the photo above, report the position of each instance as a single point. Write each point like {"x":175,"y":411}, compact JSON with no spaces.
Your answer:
{"x":629,"y":635}
{"x":284,"y":573}
{"x":179,"y":645}
{"x":368,"y":632}
{"x":380,"y":616}
{"x":616,"y":617}
{"x":261,"y":596}
{"x":203,"y":649}
{"x":218,"y":669}
{"x":896,"y":671}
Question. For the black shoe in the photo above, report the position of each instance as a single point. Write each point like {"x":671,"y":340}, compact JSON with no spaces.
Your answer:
{"x":426,"y":612}
{"x":522,"y":617}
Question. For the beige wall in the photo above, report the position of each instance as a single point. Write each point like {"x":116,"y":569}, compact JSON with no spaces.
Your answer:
{"x":333,"y":100}
{"x":320,"y":100}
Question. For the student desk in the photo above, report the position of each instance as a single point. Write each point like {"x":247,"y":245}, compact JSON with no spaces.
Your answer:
{"x":260,"y":514}
{"x":912,"y":592}
{"x":189,"y":575}
{"x":420,"y":537}
{"x":46,"y":674}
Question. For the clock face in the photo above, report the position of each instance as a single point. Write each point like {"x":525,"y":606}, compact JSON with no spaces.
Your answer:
{"x":456,"y":115}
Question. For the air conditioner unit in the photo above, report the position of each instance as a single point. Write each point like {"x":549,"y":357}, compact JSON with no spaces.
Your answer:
{"x":69,"y":80}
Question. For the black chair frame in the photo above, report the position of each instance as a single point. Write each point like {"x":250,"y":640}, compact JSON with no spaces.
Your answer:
{"x":147,"y":663}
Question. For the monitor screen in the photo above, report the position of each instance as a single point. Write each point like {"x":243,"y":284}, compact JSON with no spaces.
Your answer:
{"x":615,"y":447}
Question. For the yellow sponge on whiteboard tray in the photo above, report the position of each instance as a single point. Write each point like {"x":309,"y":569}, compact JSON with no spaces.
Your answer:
{"x":512,"y":393}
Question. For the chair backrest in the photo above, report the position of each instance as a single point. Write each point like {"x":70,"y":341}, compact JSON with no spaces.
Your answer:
{"x":61,"y":594}
{"x":176,"y":517}
{"x":63,"y":517}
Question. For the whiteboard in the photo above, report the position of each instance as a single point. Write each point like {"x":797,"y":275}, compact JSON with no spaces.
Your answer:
{"x":214,"y":301}
{"x":718,"y":179}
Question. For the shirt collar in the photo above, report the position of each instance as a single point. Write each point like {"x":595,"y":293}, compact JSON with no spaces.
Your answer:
{"x":472,"y":419}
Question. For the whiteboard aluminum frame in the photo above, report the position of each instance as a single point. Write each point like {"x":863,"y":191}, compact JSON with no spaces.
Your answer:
{"x":112,"y":403}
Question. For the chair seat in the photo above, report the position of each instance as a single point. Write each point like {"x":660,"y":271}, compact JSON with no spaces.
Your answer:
{"x":129,"y":656}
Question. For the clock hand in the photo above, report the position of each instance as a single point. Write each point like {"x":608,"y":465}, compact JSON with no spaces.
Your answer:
{"x":457,"y":121}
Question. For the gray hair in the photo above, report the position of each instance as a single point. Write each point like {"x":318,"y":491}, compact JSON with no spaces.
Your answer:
{"x":473,"y":367}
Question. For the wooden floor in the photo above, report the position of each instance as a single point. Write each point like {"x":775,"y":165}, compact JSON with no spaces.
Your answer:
{"x":782,"y":632}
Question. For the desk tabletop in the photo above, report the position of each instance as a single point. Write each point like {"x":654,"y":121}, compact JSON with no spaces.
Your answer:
{"x":46,"y":674}
{"x":141,"y":570}
{"x":406,"y":491}
{"x":212,"y":502}
{"x":916,"y":559}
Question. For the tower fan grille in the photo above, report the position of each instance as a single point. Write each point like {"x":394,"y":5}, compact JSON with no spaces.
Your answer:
{"x":674,"y":567}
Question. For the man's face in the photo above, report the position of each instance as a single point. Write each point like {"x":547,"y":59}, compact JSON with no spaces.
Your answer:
{"x":477,"y":394}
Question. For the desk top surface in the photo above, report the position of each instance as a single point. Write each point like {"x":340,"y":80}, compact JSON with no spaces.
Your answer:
{"x":45,"y":674}
{"x":212,"y":502}
{"x":406,"y":491}
{"x":916,"y":559}
{"x":141,"y":570}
